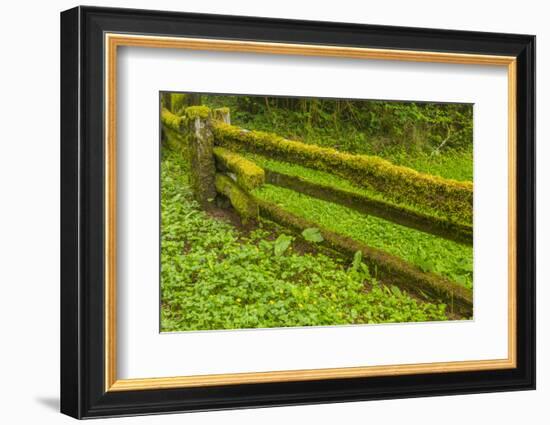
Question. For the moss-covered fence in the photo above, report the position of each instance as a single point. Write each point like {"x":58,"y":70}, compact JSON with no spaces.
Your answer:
{"x":399,"y":214}
{"x":399,"y":184}
{"x":217,"y":169}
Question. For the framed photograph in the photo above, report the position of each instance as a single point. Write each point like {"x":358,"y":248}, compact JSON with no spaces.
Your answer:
{"x":261,"y":212}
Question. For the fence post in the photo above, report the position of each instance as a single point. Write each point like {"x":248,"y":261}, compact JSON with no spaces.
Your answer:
{"x":201,"y":145}
{"x":223,"y":115}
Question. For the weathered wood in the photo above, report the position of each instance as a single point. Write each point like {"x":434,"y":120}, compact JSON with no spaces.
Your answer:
{"x":173,"y":136}
{"x":201,"y":156}
{"x":171,"y":120}
{"x":391,"y":269}
{"x":173,"y":140}
{"x":244,"y":204}
{"x":362,"y":203}
{"x":249,"y":176}
{"x":450,"y":198}
{"x":223,"y":115}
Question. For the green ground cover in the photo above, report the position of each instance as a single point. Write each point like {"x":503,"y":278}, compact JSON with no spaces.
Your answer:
{"x":215,"y":276}
{"x":430,"y":253}
{"x":327,"y":179}
{"x":453,"y":164}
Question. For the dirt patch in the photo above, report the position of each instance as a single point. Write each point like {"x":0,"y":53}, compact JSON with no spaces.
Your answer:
{"x":221,"y":210}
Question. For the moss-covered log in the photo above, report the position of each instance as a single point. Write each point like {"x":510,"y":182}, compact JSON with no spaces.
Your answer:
{"x":172,"y":121}
{"x":172,"y":126}
{"x":391,"y":269}
{"x":249,"y":175}
{"x":399,"y":184}
{"x":222,"y":114}
{"x":245,"y":205}
{"x":178,"y":103}
{"x":201,"y":156}
{"x":173,"y":140}
{"x":200,"y":111}
{"x":397,"y":214}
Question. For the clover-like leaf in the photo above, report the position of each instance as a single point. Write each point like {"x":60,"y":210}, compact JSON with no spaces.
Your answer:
{"x":312,"y":234}
{"x":281,"y":244}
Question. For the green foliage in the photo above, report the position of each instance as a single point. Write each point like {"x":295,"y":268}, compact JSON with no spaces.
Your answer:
{"x":423,"y":136}
{"x":334,"y":188}
{"x":430,"y":253}
{"x":360,"y":270}
{"x":312,"y":234}
{"x":213,"y":277}
{"x":357,"y":260}
{"x":452,"y":164}
{"x":386,"y":266}
{"x":328,"y":179}
{"x":281,"y":244}
{"x":451,"y":198}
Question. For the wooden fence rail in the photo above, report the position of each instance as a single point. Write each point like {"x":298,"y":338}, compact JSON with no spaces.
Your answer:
{"x":397,"y":214}
{"x":212,"y":145}
{"x":398,"y":184}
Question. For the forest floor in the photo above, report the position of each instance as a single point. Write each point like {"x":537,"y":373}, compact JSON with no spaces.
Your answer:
{"x":215,"y":275}
{"x":431,"y":253}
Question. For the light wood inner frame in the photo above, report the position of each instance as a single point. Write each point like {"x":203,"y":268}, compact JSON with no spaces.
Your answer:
{"x":113,"y":41}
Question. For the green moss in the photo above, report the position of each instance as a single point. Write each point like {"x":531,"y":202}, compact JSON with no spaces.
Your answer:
{"x":178,"y":103}
{"x":324,"y":178}
{"x":389,"y":267}
{"x":249,"y":175}
{"x":451,"y":198}
{"x":201,"y":157}
{"x":222,"y":114}
{"x":171,"y":120}
{"x":173,"y":140}
{"x":223,"y":110}
{"x":245,"y":205}
{"x":213,"y":276}
{"x":371,"y":206}
{"x":194,"y":112}
{"x":428,"y":252}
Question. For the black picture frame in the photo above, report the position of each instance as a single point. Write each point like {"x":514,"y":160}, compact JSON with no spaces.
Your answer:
{"x":82,"y":212}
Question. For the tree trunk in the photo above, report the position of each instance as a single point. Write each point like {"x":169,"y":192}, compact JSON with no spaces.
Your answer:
{"x":193,"y":99}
